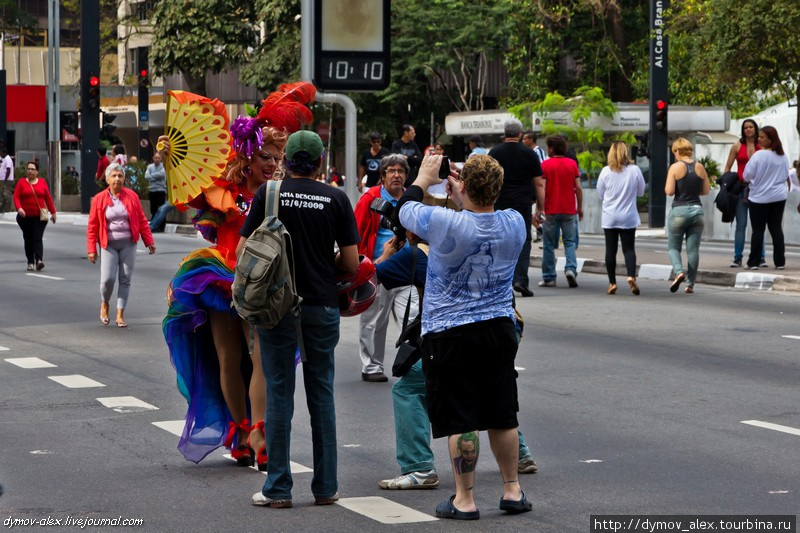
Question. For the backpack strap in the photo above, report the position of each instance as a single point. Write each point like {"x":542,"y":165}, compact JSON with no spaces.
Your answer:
{"x":273,"y":198}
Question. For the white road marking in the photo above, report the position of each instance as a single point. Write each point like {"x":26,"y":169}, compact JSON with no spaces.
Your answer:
{"x":76,"y":381}
{"x":384,"y":511}
{"x":795,"y":337}
{"x":173,"y":426}
{"x":30,"y":362}
{"x":126,"y":404}
{"x":296,"y":468}
{"x":561,"y":262}
{"x":41,"y":452}
{"x":43,"y":276}
{"x":779,"y":492}
{"x":775,"y":427}
{"x":518,"y":368}
{"x":351,"y":446}
{"x":591,"y":460}
{"x":4,"y":349}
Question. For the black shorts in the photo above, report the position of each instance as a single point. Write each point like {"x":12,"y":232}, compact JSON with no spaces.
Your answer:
{"x":470,"y":379}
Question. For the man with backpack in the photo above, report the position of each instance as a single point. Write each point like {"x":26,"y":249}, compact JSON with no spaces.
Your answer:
{"x":316,"y":217}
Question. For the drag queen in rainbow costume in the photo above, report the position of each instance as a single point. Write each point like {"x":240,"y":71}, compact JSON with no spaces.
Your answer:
{"x":208,"y":342}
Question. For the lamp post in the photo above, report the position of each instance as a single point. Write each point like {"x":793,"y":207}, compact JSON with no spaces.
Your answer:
{"x":54,"y":99}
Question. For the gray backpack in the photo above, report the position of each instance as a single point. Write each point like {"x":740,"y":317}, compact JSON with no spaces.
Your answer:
{"x":264,"y":289}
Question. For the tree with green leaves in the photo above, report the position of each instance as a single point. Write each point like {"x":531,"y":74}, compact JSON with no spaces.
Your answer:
{"x":276,"y":59}
{"x":202,"y":36}
{"x":574,"y":114}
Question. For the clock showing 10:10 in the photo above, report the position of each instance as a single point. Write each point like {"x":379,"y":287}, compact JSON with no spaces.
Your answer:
{"x":351,"y":44}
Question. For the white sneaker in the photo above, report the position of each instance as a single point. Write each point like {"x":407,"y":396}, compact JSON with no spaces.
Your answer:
{"x":547,"y":283}
{"x":262,"y":501}
{"x":412,"y":480}
{"x":571,"y":278}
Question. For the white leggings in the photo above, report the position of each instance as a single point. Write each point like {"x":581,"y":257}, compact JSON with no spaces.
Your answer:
{"x":118,"y":256}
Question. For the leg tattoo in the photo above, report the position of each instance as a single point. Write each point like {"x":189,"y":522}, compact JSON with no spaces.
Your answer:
{"x":468,"y":446}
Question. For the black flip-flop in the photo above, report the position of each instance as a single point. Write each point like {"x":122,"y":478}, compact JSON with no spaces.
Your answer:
{"x":676,"y":283}
{"x":516,"y":506}
{"x":446,"y":509}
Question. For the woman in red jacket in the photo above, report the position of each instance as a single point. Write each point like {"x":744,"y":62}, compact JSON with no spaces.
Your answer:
{"x":116,"y":219}
{"x":30,"y":196}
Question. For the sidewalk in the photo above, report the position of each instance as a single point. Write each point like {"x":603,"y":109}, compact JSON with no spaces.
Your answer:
{"x":651,"y":256}
{"x":653,"y":262}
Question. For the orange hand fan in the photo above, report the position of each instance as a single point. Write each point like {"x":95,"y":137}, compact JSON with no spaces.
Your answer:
{"x":199,"y":144}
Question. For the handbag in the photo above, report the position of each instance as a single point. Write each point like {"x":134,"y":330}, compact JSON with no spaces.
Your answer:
{"x":409,"y":344}
{"x":44,"y":214}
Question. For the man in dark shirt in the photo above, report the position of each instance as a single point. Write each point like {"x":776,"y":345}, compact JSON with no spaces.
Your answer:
{"x":371,"y":161}
{"x":406,"y":146}
{"x":520,"y":167}
{"x":317,"y":217}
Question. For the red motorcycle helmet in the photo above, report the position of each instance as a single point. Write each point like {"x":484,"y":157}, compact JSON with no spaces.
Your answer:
{"x":357,"y":290}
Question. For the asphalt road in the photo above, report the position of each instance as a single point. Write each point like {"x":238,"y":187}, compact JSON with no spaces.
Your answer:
{"x":632,"y":405}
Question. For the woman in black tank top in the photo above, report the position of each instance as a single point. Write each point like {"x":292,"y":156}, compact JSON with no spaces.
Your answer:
{"x":687,"y":181}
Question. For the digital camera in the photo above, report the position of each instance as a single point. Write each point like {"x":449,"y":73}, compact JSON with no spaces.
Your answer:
{"x":389,"y":218}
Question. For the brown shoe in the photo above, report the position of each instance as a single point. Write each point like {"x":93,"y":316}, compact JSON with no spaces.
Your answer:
{"x":634,"y":285}
{"x":612,"y":289}
{"x":380,"y":377}
{"x":330,"y":500}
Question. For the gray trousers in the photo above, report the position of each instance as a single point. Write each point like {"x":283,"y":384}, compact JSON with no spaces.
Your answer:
{"x":375,"y":320}
{"x":119,"y":256}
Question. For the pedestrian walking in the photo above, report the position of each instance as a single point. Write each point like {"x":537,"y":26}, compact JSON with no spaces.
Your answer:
{"x":464,"y":318}
{"x":618,"y":186}
{"x":740,"y":153}
{"x":34,"y":206}
{"x":767,"y":174}
{"x":687,"y":181}
{"x":406,"y":146}
{"x":116,"y":221}
{"x":156,"y":177}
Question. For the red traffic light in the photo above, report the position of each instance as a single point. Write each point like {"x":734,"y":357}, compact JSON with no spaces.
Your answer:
{"x":661,"y":104}
{"x":94,"y":81}
{"x":143,"y":73}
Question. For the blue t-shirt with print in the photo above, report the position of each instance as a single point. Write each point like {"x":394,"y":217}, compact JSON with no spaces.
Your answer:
{"x":470,"y":264}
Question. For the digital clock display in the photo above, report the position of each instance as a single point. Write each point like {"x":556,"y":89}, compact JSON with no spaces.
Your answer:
{"x":351,"y":45}
{"x":343,"y":72}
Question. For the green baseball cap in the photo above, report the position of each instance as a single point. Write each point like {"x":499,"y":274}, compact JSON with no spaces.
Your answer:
{"x":304,"y":141}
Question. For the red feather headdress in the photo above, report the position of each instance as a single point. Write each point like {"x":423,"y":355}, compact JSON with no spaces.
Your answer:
{"x":286,"y":109}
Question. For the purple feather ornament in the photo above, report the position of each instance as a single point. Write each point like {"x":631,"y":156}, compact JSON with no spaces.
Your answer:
{"x":247,"y":136}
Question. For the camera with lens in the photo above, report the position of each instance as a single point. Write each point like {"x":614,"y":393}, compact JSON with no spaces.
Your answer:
{"x":389,"y":218}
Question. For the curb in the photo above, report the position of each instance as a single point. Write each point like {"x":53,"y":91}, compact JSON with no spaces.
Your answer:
{"x":739,"y":280}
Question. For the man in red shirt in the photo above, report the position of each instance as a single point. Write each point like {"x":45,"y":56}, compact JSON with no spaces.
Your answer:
{"x":102,"y":164}
{"x":559,"y":199}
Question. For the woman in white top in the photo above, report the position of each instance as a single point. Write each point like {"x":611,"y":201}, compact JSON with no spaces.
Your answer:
{"x":618,"y":186}
{"x":767,"y":172}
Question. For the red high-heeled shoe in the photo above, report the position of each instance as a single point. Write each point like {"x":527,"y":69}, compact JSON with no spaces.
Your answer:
{"x":242,"y":454}
{"x":261,"y":454}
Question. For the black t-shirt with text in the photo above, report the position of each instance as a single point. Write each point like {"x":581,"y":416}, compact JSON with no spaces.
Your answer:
{"x":520,"y":165}
{"x":414,"y":155}
{"x":372,"y":163}
{"x":316,"y":216}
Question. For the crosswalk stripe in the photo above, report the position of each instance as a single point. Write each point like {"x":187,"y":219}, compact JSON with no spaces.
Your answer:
{"x":774,"y":427}
{"x":4,"y":349}
{"x":76,"y":381}
{"x":173,"y":426}
{"x":794,"y":337}
{"x":296,"y":468}
{"x":30,"y":362}
{"x":44,"y":276}
{"x":126,"y":404}
{"x":384,"y":511}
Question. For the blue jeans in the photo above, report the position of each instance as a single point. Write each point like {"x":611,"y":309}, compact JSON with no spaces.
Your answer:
{"x":685,"y":220}
{"x":158,"y":220}
{"x":741,"y":229}
{"x":568,"y":225}
{"x":412,"y":427}
{"x":523,"y":264}
{"x":320,"y":326}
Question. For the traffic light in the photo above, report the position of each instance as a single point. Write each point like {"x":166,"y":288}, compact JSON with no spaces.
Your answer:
{"x":643,"y":149}
{"x":69,"y":122}
{"x":143,"y":77}
{"x":94,"y":91}
{"x":107,"y":131}
{"x":661,"y":115}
